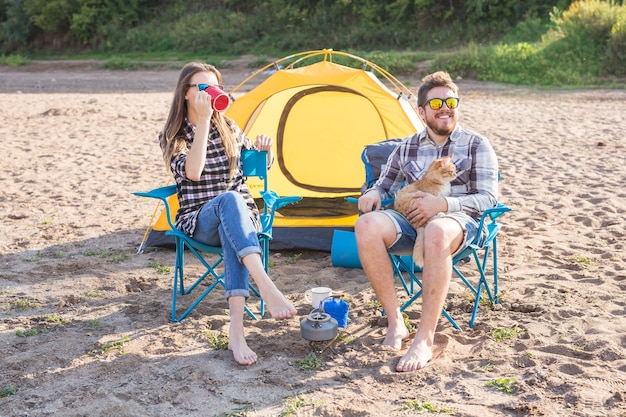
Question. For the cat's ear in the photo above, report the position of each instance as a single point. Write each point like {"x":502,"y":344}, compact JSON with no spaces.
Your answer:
{"x":446,"y":160}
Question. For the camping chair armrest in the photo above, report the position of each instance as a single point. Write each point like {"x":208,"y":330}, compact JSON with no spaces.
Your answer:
{"x":161,"y":193}
{"x":493,"y":213}
{"x":274,"y":202}
{"x":384,"y":203}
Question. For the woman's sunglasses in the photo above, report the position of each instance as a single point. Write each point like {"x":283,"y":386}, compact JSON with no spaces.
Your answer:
{"x":202,"y":87}
{"x":437,"y":103}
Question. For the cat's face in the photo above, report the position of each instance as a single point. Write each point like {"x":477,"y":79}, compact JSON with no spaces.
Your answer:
{"x":447,"y":170}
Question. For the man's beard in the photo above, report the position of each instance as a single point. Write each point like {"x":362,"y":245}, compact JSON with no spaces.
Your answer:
{"x":447,"y":131}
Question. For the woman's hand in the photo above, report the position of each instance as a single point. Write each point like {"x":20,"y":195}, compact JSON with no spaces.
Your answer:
{"x":202,"y":106}
{"x":263,"y":143}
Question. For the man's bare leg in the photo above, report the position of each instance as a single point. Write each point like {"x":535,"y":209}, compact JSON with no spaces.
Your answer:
{"x":374,"y":232}
{"x":441,"y":236}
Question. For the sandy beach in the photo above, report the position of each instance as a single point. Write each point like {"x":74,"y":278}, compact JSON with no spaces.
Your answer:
{"x":84,"y":319}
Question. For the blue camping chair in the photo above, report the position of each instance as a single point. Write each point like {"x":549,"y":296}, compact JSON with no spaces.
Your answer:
{"x":374,"y":156}
{"x":254,"y":165}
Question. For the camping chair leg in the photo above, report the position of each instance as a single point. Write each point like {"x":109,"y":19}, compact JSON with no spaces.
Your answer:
{"x":398,"y":264}
{"x":495,"y":272}
{"x":180,"y":287}
{"x":397,"y":269}
{"x":482,"y":282}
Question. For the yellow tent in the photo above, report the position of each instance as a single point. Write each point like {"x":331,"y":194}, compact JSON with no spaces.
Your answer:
{"x":321,"y":115}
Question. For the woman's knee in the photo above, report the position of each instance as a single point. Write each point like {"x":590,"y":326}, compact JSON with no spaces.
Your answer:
{"x":232,"y":198}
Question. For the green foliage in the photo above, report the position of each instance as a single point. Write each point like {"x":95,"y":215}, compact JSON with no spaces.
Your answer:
{"x":292,"y":405}
{"x":8,"y":390}
{"x":213,"y":26}
{"x":508,"y":385}
{"x":311,"y":362}
{"x":33,"y":331}
{"x":505,"y":333}
{"x":217,"y":340}
{"x":14,"y":60}
{"x":51,"y":16}
{"x":15,"y":27}
{"x":585,"y":42}
{"x":104,"y":348}
{"x":424,"y":407}
{"x":533,"y":42}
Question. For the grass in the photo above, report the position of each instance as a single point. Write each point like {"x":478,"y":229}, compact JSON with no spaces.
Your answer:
{"x":160,"y":269}
{"x":21,"y":305}
{"x":294,"y":259}
{"x":102,"y":349}
{"x":504,"y":333}
{"x":424,"y":407}
{"x":112,"y":256}
{"x":94,"y":324}
{"x":217,"y":340}
{"x":585,"y":261}
{"x":33,"y":331}
{"x":8,"y":390}
{"x":294,"y":404}
{"x":485,"y":368}
{"x":14,"y":60}
{"x":507,"y":385}
{"x":94,"y":294}
{"x":311,"y":362}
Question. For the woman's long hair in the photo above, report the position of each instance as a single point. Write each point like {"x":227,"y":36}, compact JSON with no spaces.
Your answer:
{"x":173,"y":140}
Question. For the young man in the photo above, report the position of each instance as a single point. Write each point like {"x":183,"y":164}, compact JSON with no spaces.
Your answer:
{"x":381,"y":231}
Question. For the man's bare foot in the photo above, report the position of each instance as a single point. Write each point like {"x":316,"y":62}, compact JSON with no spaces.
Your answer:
{"x":241,"y":352}
{"x":278,"y":305}
{"x":416,"y":358}
{"x":395,"y":336}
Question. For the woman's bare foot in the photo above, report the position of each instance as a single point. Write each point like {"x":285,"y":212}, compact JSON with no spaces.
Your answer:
{"x":278,"y":306}
{"x":241,"y":352}
{"x":416,"y":358}
{"x":395,"y":336}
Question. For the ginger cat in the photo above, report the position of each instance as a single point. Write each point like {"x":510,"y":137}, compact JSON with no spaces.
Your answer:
{"x":436,"y":181}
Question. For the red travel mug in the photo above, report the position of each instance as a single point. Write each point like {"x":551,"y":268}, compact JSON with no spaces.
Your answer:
{"x":219,"y":99}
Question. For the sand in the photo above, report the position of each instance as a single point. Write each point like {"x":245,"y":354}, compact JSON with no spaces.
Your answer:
{"x":84,"y":319}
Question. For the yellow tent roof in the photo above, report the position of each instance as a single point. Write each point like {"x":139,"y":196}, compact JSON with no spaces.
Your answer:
{"x":321,"y":116}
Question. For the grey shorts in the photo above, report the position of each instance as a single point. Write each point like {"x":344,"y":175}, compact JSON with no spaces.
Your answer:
{"x":405,"y":233}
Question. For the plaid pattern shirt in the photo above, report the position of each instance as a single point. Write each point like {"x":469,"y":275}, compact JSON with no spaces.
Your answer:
{"x":475,"y":188}
{"x":192,"y":195}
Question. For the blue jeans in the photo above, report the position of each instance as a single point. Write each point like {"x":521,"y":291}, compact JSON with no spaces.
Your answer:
{"x":224,"y":221}
{"x":406,"y":235}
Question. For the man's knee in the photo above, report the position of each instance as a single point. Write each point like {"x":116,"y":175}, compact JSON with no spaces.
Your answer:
{"x":441,"y":233}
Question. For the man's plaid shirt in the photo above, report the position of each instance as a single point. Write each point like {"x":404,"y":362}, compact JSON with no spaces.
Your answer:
{"x":475,"y":188}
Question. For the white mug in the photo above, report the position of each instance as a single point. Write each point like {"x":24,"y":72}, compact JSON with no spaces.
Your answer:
{"x":316,"y":295}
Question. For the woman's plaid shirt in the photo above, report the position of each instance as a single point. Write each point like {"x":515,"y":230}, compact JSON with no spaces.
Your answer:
{"x":192,"y":195}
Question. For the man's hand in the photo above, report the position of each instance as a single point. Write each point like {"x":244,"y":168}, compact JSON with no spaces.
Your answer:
{"x":423,"y":207}
{"x":370,"y":201}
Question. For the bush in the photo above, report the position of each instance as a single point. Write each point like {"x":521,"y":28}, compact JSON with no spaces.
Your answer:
{"x":586,"y":41}
{"x":615,"y":61}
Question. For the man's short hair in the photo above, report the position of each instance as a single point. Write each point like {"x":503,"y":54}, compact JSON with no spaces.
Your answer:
{"x":436,"y":79}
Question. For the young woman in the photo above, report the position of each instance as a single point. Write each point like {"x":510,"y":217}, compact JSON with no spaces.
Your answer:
{"x":202,"y":149}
